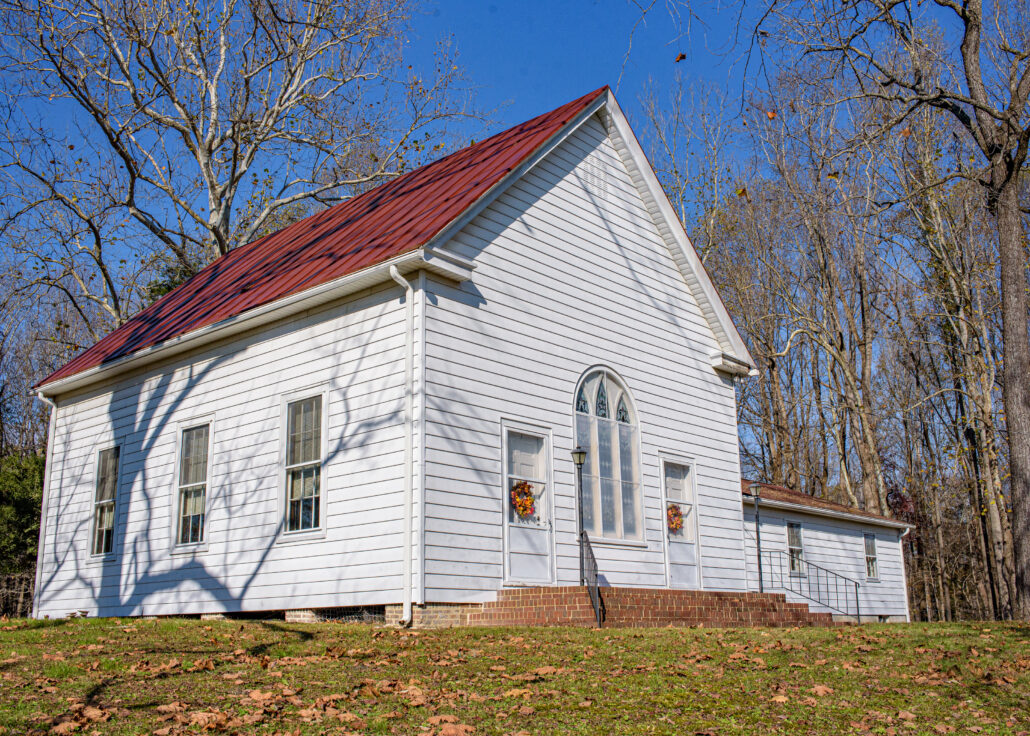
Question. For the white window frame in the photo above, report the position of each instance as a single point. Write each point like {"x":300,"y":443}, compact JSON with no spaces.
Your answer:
{"x":316,"y":532}
{"x":673,"y":459}
{"x":866,"y":536}
{"x":602,"y":539}
{"x":110,"y":554}
{"x":533,"y":430}
{"x":800,"y":572}
{"x":176,"y":491}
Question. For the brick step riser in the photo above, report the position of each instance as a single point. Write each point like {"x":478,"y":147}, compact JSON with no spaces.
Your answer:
{"x":635,"y":607}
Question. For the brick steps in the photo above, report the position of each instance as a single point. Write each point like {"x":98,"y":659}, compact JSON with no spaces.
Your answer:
{"x":642,"y":607}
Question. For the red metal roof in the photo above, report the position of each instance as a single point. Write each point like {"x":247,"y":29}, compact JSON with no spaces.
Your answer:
{"x":392,"y":219}
{"x":773,"y":492}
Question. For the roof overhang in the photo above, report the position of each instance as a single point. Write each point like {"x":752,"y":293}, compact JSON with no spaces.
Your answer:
{"x":831,"y":513}
{"x":445,"y":265}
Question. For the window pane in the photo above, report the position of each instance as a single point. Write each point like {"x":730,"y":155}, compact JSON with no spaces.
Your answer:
{"x":302,"y":498}
{"x":794,"y":535}
{"x":609,"y":495}
{"x":304,"y":431}
{"x":526,"y":456}
{"x":628,"y":453}
{"x":870,"y":545}
{"x":103,"y":528}
{"x":525,"y":502}
{"x":602,"y":399}
{"x":191,"y":514}
{"x":589,"y":504}
{"x":674,"y":481}
{"x":630,"y":510}
{"x":107,"y":474}
{"x":605,"y":449}
{"x":193,"y":463}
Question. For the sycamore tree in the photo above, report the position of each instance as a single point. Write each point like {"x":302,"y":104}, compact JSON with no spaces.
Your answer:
{"x":143,"y":139}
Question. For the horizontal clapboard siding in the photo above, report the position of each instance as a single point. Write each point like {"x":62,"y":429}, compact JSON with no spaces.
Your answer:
{"x":354,"y":349}
{"x":837,"y":545}
{"x":569,"y":275}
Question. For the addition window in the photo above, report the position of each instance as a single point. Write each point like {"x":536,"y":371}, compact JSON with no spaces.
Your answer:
{"x":303,"y":464}
{"x":606,"y":427}
{"x":795,"y":548}
{"x":193,"y":464}
{"x":871,"y":571}
{"x":104,"y":502}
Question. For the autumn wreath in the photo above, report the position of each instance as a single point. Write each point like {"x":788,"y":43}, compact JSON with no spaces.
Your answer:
{"x":674,"y":518}
{"x":522,"y":499}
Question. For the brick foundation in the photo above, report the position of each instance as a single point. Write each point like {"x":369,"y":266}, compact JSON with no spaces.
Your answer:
{"x":301,"y":616}
{"x":433,"y":615}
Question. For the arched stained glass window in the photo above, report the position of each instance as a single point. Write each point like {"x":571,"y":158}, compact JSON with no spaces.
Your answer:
{"x":612,"y":504}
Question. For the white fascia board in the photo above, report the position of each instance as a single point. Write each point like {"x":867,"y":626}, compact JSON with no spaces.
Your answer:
{"x":515,"y":174}
{"x":815,"y":511}
{"x":447,"y":266}
{"x":669,"y":225}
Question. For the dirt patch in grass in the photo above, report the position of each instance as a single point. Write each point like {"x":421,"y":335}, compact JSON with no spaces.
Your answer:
{"x":179,"y":676}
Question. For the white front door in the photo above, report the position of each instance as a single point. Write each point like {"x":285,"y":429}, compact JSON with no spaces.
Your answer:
{"x":527,"y":502}
{"x":680,"y":524}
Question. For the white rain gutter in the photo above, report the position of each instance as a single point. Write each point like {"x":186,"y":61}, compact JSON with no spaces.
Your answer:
{"x":409,"y":456}
{"x":815,"y":511}
{"x":47,"y":471}
{"x":446,"y":265}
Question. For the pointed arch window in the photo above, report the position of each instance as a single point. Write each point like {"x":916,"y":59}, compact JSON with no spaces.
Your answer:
{"x":602,"y":400}
{"x":582,"y":405}
{"x":612,"y":502}
{"x":622,"y":412}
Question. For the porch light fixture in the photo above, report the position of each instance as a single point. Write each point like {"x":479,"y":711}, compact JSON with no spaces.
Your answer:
{"x":579,"y":456}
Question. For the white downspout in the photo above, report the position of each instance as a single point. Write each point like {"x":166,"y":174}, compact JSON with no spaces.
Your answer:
{"x":48,"y":470}
{"x":409,"y":343}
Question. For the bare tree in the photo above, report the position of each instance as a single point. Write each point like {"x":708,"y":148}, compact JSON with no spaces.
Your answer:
{"x":158,"y":132}
{"x":974,"y":66}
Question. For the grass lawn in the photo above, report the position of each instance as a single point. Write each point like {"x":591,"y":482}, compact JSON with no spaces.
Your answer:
{"x":176,"y":676}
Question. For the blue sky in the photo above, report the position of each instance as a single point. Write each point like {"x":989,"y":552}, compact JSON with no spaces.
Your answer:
{"x":531,"y":56}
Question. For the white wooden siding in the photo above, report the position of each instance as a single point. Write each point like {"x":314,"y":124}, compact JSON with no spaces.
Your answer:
{"x":569,"y":276}
{"x":837,"y":545}
{"x":355,"y":350}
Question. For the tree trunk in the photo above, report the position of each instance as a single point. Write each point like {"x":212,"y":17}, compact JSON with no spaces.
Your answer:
{"x":1016,"y":375}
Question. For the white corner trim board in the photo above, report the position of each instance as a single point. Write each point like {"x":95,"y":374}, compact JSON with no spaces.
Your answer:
{"x":445,"y":265}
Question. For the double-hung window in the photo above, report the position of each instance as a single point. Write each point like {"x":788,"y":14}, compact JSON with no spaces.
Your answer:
{"x":795,"y":548}
{"x":304,"y":464}
{"x":104,"y":502}
{"x":193,"y":463}
{"x":871,"y":571}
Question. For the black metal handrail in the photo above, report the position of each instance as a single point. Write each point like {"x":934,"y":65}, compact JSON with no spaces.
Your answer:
{"x":783,"y":571}
{"x":588,"y":577}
